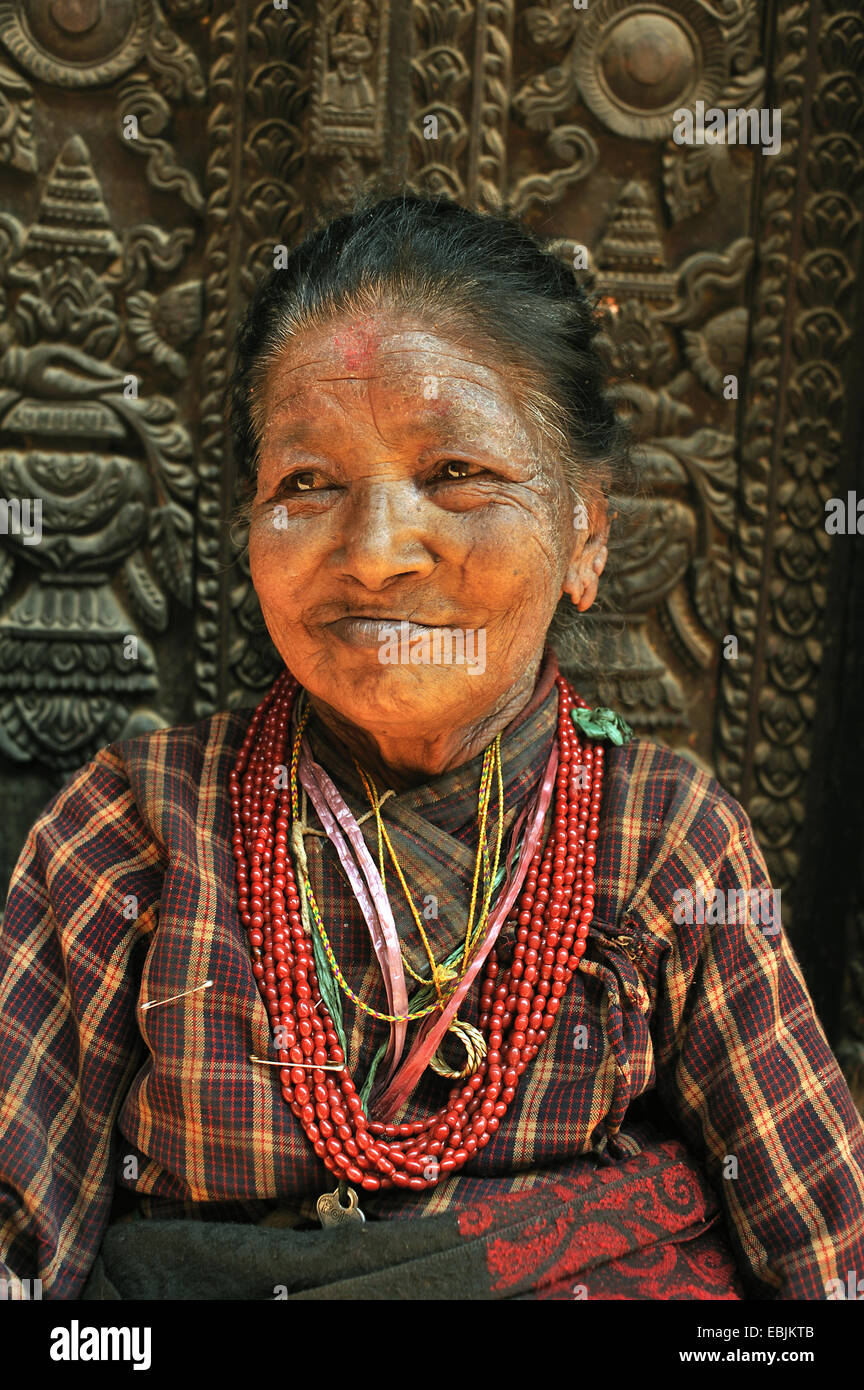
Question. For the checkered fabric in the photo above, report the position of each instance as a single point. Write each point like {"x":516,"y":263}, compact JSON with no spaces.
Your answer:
{"x":125,"y":893}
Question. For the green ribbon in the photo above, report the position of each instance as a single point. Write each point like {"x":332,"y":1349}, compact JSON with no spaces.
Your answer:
{"x":329,"y":989}
{"x":602,"y":723}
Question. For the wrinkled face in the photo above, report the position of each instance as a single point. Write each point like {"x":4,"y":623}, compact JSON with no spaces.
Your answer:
{"x":401,"y":503}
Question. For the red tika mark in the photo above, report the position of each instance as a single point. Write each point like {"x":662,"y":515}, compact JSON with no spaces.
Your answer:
{"x":357,"y":344}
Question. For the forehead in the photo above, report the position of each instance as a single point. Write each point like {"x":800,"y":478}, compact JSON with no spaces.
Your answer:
{"x":441,"y":375}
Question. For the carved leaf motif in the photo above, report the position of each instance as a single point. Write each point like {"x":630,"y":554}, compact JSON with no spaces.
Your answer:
{"x":148,"y":248}
{"x":16,"y":121}
{"x":157,"y":409}
{"x":653,"y":553}
{"x":657,"y":467}
{"x":545,"y":96}
{"x":651,"y":413}
{"x":744,"y":89}
{"x":549,"y":28}
{"x":567,"y":142}
{"x":12,"y":234}
{"x":172,"y":445}
{"x":168,"y":444}
{"x":702,"y":272}
{"x":694,"y":175}
{"x":148,"y":601}
{"x":709,"y":460}
{"x":685,"y":625}
{"x":711,"y":589}
{"x":171,"y":548}
{"x":690,"y":177}
{"x":175,"y":63}
{"x":835,"y":160}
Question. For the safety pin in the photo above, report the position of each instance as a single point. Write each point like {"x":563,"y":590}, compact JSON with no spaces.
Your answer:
{"x":307,"y":1066}
{"x":154,"y":1003}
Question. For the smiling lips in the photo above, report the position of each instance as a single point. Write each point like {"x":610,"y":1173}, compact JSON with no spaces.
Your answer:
{"x":360,"y":630}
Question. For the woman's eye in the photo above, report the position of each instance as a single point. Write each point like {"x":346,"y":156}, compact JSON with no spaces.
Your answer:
{"x":453,"y":469}
{"x":299,"y":482}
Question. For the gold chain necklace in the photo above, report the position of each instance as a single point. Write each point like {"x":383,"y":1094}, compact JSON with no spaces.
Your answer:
{"x":441,"y":973}
{"x":472,"y":1040}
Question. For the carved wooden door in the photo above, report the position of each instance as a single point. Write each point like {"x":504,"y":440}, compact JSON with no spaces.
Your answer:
{"x":154,"y":155}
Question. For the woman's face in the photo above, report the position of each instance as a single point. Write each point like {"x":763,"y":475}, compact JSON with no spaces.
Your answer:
{"x":402,"y":518}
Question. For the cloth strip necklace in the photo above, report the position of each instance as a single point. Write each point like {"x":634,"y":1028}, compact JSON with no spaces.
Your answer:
{"x":443,"y":973}
{"x":388,"y":1099}
{"x":517,"y":1006}
{"x":347,"y":838}
{"x":386,"y":1092}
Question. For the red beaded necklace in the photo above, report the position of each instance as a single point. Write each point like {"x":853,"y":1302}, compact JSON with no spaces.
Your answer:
{"x":517,"y":1005}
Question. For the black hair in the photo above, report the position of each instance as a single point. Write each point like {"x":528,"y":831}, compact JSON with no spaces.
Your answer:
{"x":481,"y":274}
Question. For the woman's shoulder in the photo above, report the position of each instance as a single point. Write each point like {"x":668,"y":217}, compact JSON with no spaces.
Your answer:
{"x":183,"y":769}
{"x":185,"y":747}
{"x":665,"y":816}
{"x":653,"y":784}
{"x":147,"y":783}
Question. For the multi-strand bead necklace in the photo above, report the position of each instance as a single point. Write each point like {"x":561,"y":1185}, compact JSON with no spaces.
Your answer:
{"x":517,"y":1005}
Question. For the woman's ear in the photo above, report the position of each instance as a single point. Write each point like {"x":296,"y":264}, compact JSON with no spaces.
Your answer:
{"x":588,"y":556}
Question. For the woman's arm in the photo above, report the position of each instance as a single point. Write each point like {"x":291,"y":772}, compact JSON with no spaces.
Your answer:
{"x":744,"y":1067}
{"x":82,"y":899}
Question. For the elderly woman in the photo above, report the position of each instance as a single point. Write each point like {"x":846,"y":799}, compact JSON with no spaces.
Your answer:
{"x":405,"y":942}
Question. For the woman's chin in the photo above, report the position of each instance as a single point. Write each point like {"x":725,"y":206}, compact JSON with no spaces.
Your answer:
{"x":400,"y":698}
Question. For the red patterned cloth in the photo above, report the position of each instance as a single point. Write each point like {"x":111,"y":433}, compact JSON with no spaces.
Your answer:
{"x":648,"y":1227}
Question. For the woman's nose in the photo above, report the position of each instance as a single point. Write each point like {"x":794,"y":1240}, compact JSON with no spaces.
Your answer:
{"x":382,"y":535}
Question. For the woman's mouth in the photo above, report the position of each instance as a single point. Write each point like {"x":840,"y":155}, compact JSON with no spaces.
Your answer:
{"x":360,"y":631}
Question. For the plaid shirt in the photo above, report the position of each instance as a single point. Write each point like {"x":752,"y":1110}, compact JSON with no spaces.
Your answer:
{"x":125,"y":893}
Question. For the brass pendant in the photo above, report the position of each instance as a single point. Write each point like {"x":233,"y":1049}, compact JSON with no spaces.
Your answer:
{"x":475,"y":1046}
{"x":331,"y":1211}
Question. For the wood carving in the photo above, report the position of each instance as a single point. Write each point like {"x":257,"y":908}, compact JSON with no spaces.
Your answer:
{"x":111,"y":470}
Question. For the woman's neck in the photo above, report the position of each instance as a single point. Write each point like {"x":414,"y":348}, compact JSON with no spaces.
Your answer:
{"x":406,"y":761}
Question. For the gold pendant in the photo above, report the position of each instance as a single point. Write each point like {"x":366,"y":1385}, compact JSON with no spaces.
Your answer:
{"x":331,"y":1211}
{"x":475,"y":1045}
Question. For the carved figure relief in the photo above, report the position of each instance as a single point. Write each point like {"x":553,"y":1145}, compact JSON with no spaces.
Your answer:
{"x":350,"y":60}
{"x":109,"y":467}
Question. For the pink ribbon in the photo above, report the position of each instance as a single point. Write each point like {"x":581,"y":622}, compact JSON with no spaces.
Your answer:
{"x":374,"y":905}
{"x":400,"y":1086}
